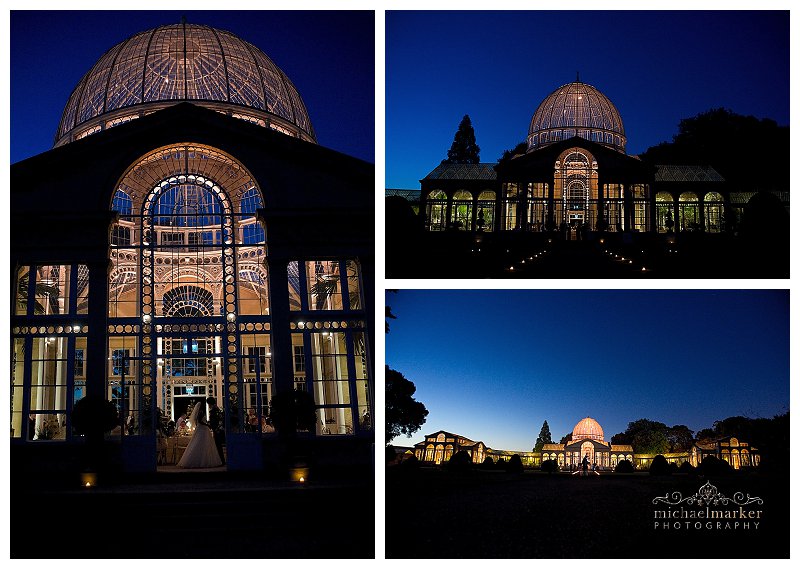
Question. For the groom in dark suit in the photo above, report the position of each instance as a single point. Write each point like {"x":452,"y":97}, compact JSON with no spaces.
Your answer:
{"x":217,"y":424}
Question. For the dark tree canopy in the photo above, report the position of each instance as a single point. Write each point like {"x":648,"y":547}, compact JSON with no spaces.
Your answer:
{"x":680,"y":438}
{"x":704,"y":434}
{"x":621,"y":439}
{"x":404,"y":415}
{"x":464,"y":149}
{"x":566,"y":439}
{"x":543,"y":438}
{"x":520,"y":148}
{"x":389,"y":312}
{"x":750,"y":153}
{"x":648,"y":437}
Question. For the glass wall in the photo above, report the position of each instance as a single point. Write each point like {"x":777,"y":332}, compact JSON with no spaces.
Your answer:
{"x":48,"y":362}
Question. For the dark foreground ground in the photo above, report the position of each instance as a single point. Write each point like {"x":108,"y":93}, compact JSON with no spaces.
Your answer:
{"x":461,"y":255}
{"x":432,"y":513}
{"x":196,"y":515}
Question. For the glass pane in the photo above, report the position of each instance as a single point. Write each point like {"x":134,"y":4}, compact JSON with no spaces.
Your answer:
{"x":23,"y":278}
{"x":335,"y":421}
{"x":293,"y":271}
{"x":17,"y":362}
{"x":52,"y":289}
{"x":353,"y":284}
{"x":323,"y":280}
{"x":16,"y":412}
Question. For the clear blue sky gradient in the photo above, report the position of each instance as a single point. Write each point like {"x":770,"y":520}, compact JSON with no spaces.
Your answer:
{"x":329,"y":56}
{"x":657,"y":67}
{"x":493,"y":365}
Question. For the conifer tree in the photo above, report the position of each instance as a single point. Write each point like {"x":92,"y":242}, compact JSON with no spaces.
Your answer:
{"x":543,"y":438}
{"x":464,"y":150}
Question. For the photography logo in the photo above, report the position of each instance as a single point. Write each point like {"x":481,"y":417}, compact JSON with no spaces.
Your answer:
{"x":707,"y":509}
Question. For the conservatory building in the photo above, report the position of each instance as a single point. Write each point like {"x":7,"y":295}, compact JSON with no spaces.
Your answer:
{"x":187,"y":237}
{"x":575,"y":173}
{"x":586,"y":441}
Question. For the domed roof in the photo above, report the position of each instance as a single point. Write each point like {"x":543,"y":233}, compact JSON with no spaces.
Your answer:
{"x":576,"y":109}
{"x":587,"y":428}
{"x":183,"y":62}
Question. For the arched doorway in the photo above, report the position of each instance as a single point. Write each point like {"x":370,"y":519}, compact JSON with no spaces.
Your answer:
{"x":576,"y":188}
{"x":189,"y":269}
{"x":587,"y":450}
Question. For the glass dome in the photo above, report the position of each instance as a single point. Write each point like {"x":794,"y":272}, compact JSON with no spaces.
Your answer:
{"x":587,"y":428}
{"x":576,"y":109}
{"x":183,"y":62}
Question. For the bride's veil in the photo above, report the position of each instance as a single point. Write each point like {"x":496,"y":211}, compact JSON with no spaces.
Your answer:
{"x":196,"y":414}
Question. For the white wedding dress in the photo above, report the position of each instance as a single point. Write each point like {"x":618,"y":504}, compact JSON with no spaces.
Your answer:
{"x":201,"y":451}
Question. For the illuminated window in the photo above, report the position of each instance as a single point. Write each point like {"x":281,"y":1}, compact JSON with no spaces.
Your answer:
{"x":689,"y":209}
{"x":713,"y":209}
{"x":436,"y":210}
{"x":461,"y":211}
{"x":665,"y":212}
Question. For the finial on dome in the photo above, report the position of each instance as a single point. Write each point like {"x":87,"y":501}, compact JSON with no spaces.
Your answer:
{"x":183,"y":19}
{"x":577,"y":77}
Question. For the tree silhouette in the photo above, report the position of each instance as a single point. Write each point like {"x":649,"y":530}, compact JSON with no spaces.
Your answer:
{"x":543,"y":438}
{"x":680,"y":438}
{"x":520,"y":148}
{"x":404,"y":415}
{"x":737,"y":146}
{"x":648,"y":437}
{"x":464,"y":150}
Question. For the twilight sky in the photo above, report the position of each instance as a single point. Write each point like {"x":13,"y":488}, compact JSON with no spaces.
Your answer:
{"x":493,"y":365}
{"x":329,"y":56}
{"x":657,"y":67}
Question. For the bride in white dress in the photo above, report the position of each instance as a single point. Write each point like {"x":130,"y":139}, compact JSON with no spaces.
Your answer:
{"x":201,"y":451}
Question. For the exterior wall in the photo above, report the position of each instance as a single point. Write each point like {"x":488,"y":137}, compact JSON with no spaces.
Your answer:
{"x":317,"y":206}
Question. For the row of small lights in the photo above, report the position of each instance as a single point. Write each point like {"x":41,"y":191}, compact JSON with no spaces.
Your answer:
{"x":620,"y":258}
{"x":535,"y":257}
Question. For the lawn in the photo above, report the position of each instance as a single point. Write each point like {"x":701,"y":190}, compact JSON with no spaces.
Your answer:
{"x":433,"y":513}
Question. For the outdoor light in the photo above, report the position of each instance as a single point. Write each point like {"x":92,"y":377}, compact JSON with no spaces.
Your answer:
{"x":88,"y":479}
{"x":231,"y":316}
{"x":146,"y":318}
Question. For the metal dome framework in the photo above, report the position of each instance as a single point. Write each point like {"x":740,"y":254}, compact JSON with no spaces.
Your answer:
{"x":587,"y":428}
{"x":576,"y":109}
{"x":184,"y":62}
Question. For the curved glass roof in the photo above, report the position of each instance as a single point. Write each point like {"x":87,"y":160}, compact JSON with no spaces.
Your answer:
{"x":587,"y":428}
{"x":576,"y":109}
{"x":183,"y":62}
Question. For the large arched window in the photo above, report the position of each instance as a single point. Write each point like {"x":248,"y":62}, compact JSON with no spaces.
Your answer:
{"x":689,"y":207}
{"x":665,"y":212}
{"x":189,"y":270}
{"x":485,"y":214}
{"x":713,"y":212}
{"x":461,"y":216}
{"x":576,"y":188}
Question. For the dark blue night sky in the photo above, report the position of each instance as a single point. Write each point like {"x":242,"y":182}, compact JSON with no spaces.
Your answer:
{"x":656,"y":67}
{"x":329,"y":56}
{"x":492,"y":365}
